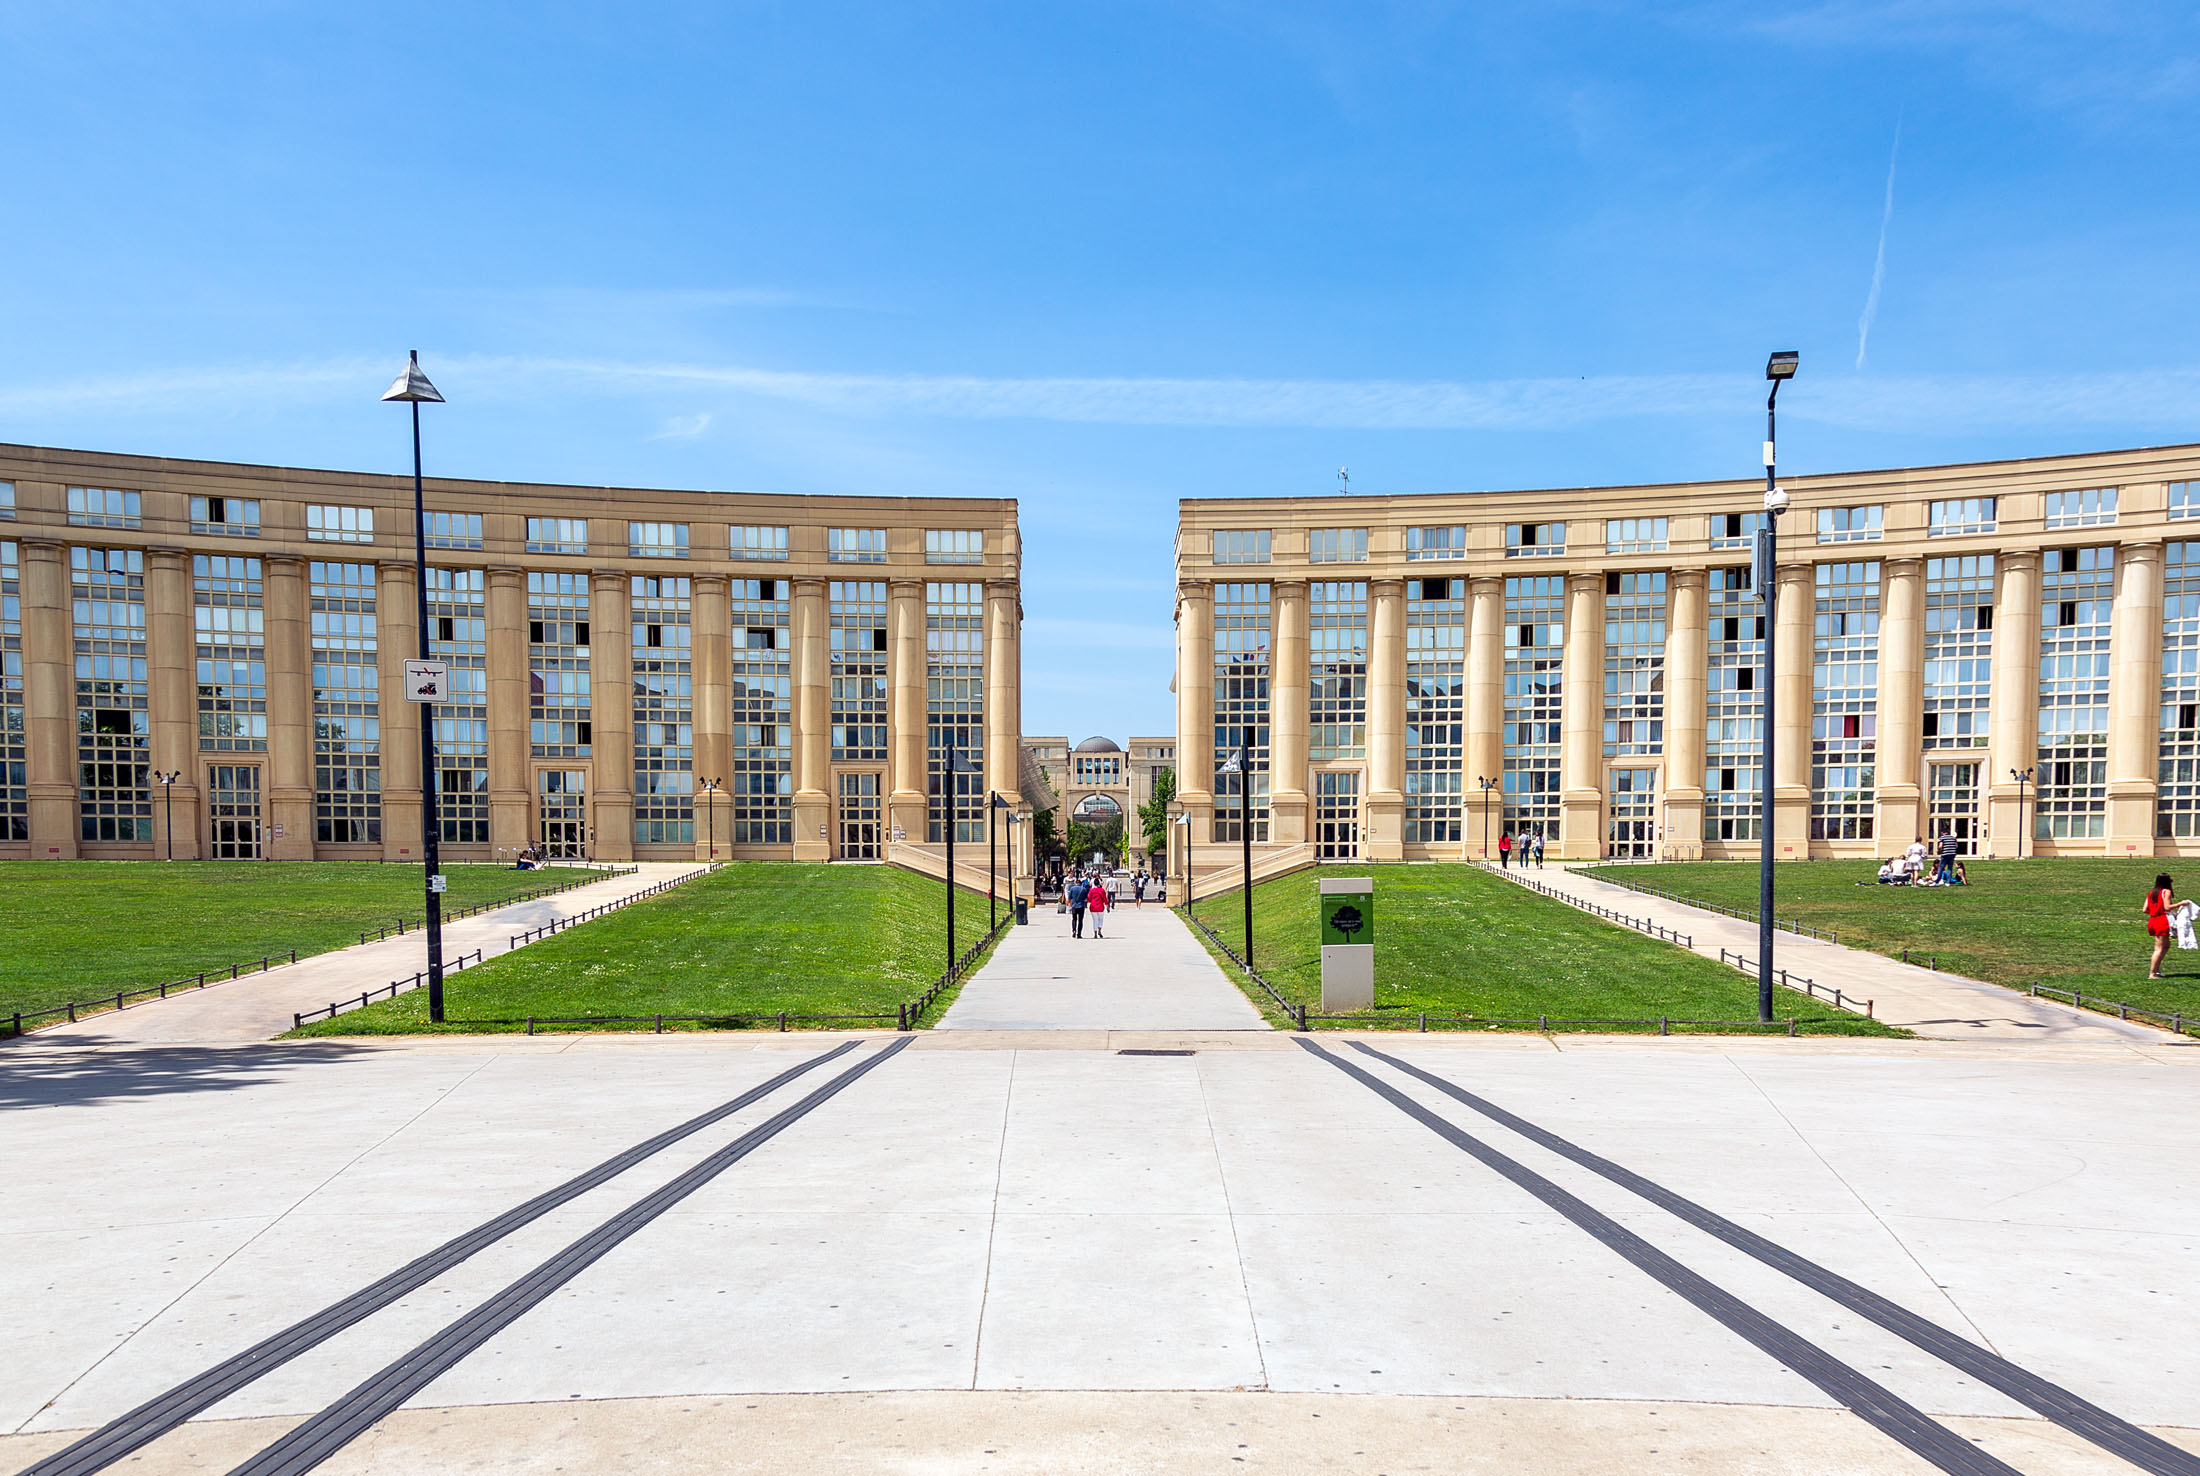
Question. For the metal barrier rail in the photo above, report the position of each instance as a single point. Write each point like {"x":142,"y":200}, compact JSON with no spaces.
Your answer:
{"x":559,"y":924}
{"x":2175,"y":1021}
{"x":1295,"y":1011}
{"x":376,"y":935}
{"x":393,"y":989}
{"x":1796,"y":982}
{"x":908,"y":1012}
{"x":1793,"y":925}
{"x":1639,"y":924}
{"x":118,"y":1000}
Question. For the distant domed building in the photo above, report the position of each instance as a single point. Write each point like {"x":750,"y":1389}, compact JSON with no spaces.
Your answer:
{"x":1096,"y":781}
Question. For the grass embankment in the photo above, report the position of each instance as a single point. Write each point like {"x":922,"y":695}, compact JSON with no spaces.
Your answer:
{"x":751,"y":940}
{"x":2071,"y":924}
{"x":1452,"y":939}
{"x":77,"y":929}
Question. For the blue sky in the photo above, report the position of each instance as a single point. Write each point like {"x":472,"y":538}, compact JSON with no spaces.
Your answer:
{"x":1104,"y":255}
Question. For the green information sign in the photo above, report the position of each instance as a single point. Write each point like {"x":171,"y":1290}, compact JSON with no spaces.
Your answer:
{"x":1348,"y":917}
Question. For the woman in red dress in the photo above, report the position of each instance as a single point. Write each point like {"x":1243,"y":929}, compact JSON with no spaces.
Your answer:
{"x":2159,"y":902}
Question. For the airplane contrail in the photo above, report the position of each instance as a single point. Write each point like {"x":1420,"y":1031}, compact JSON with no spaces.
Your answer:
{"x":1879,"y":262}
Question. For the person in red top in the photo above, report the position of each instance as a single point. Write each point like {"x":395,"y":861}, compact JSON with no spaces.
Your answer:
{"x":1096,"y":907}
{"x":1505,"y":849}
{"x":2159,"y":902}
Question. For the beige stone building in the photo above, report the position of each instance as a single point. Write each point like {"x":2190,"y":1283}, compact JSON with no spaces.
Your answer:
{"x":634,"y":673}
{"x":1097,"y":780}
{"x":2009,"y":650}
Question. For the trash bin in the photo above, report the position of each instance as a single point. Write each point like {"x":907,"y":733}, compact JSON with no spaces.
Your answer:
{"x":1023,"y":912}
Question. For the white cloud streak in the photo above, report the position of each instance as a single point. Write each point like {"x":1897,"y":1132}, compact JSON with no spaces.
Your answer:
{"x":1879,"y":262}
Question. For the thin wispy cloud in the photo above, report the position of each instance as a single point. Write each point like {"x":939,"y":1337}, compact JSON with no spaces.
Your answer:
{"x":1879,"y":261}
{"x":684,"y":427}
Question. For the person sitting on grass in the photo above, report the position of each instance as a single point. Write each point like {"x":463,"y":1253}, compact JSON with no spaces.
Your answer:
{"x":1959,"y":877}
{"x":1890,"y":872}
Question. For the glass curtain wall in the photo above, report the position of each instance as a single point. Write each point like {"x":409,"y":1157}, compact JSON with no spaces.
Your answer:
{"x":2077,"y":599}
{"x":857,"y":614}
{"x":1734,"y":720}
{"x":1337,"y":675}
{"x":1844,"y":725}
{"x":227,"y":599}
{"x":558,"y":722}
{"x":347,"y":705}
{"x":664,"y":710}
{"x":458,"y":632}
{"x":1242,"y":647}
{"x":1535,"y":651}
{"x":113,"y":722}
{"x":15,"y":794}
{"x":954,"y":655}
{"x":1436,"y":653}
{"x":763,"y":714}
{"x":2177,"y":804}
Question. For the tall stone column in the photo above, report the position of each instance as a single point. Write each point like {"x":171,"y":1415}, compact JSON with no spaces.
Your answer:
{"x":510,"y":802}
{"x":1287,"y":712}
{"x":908,"y":804}
{"x":2134,"y":700}
{"x":710,"y":625}
{"x":1386,"y":721}
{"x":1581,"y":728}
{"x":289,"y":710}
{"x":1790,"y":745}
{"x":1901,"y":738}
{"x":1003,"y":659}
{"x":49,"y":699}
{"x":611,"y":712}
{"x":813,"y":718}
{"x":1195,"y":705}
{"x":1687,"y":655}
{"x":396,"y":641}
{"x":2014,"y":704}
{"x":1485,"y":704}
{"x":171,"y":665}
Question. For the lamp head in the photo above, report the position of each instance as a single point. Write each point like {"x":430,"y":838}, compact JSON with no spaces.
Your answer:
{"x":1782,"y":364}
{"x":1776,"y":501}
{"x":414,"y":385}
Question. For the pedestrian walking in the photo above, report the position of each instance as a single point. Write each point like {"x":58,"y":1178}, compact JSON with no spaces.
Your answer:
{"x":1138,"y":889}
{"x":2159,"y":902}
{"x":1538,"y":843}
{"x":1098,"y":904}
{"x":1080,"y":892}
{"x":1505,"y":851}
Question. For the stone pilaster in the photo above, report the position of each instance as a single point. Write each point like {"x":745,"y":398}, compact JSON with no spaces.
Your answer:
{"x":2134,"y":700}
{"x":1581,"y":726}
{"x":1195,"y":705}
{"x":813,"y":717}
{"x":1485,"y":705}
{"x":171,"y":664}
{"x":1901,"y":738}
{"x":1789,"y":743}
{"x":710,"y":625}
{"x":1288,"y":698}
{"x":510,"y":800}
{"x":396,"y":641}
{"x":907,"y":718}
{"x":1687,"y":654}
{"x":1386,"y":721}
{"x":291,"y":829}
{"x":2014,"y":705}
{"x":49,"y":699}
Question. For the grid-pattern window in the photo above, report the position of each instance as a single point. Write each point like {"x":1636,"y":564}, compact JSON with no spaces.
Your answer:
{"x":347,"y":712}
{"x":2184,"y":499}
{"x":454,"y":530}
{"x":1336,"y":648}
{"x":1242,"y":545}
{"x":231,"y":629}
{"x":326,"y":524}
{"x":458,"y":632}
{"x":1533,"y":540}
{"x":1535,"y":669}
{"x":2090,"y":507}
{"x":7,"y":501}
{"x":558,"y":702}
{"x":15,"y":800}
{"x":855,"y":545}
{"x":857,"y":615}
{"x":1242,"y":646}
{"x":1734,"y":717}
{"x":954,"y":655}
{"x":1097,"y":769}
{"x":2077,"y":596}
{"x":1634,"y":665}
{"x":763,"y":714}
{"x":1959,"y":650}
{"x":1436,"y":543}
{"x":557,"y":535}
{"x":238,"y":517}
{"x":744,"y":542}
{"x":1735,"y":530}
{"x":113,"y":725}
{"x":1849,"y":524}
{"x":664,"y":711}
{"x":1436,"y":651}
{"x":1635,"y":535}
{"x":1844,"y":724}
{"x":1336,"y":545}
{"x":954,"y":545}
{"x":657,"y":540}
{"x":103,"y":507}
{"x":2177,"y":805}
{"x":1960,"y":515}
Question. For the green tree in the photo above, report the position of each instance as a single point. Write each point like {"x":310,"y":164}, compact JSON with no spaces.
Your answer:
{"x":1153,"y":815}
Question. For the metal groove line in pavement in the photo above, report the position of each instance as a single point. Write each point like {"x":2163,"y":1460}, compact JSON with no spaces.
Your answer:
{"x":164,"y":1412}
{"x":328,"y":1432}
{"x":2074,"y":1413}
{"x":1865,"y":1397}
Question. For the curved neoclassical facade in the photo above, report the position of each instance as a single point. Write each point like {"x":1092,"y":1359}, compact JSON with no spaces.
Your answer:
{"x":634,"y":673}
{"x":2007,"y":650}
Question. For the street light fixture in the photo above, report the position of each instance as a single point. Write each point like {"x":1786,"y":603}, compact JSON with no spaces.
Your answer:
{"x":954,"y":764}
{"x":2023,"y":777}
{"x":1487,"y":784}
{"x":994,"y":802}
{"x":710,"y":814}
{"x":168,"y":806}
{"x":412,"y":388}
{"x":1779,"y":369}
{"x":1241,"y":764}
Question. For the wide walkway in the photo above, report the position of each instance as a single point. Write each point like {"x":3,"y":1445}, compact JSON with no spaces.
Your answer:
{"x":1147,"y":973}
{"x":1940,"y":1006}
{"x":260,"y":1006}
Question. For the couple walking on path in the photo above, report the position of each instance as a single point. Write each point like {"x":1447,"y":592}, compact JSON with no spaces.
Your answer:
{"x":1083,"y":897}
{"x":1529,"y":848}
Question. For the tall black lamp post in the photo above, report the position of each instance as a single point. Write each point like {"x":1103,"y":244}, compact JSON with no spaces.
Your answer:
{"x":2023,"y":777}
{"x":993,"y":803}
{"x":953,"y":767}
{"x":412,"y":388}
{"x":168,"y":806}
{"x":1779,"y":369}
{"x":1241,"y":764}
{"x":1487,"y":784}
{"x":710,"y":815}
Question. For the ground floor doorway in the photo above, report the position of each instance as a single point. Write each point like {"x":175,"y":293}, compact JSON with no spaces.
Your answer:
{"x":1631,"y":811}
{"x":1337,"y":816}
{"x":233,"y":812}
{"x":561,"y":812}
{"x":862,"y":820}
{"x":1951,"y":804}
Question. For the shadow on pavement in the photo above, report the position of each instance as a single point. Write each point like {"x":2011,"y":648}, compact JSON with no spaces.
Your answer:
{"x":57,"y":1075}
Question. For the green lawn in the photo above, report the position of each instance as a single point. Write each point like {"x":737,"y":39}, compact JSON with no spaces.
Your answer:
{"x":750,"y":940}
{"x":1452,"y":939}
{"x":76,"y":929}
{"x":2073,"y":924}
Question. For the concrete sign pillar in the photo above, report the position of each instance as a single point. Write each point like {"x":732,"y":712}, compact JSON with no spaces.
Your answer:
{"x":1348,"y":943}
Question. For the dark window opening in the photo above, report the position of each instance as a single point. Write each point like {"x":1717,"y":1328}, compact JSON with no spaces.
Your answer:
{"x":1986,"y":617}
{"x":587,"y":731}
{"x":534,"y":632}
{"x":443,"y":628}
{"x":1611,"y":584}
{"x":1932,"y":725}
{"x":1745,"y":678}
{"x":878,"y":640}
